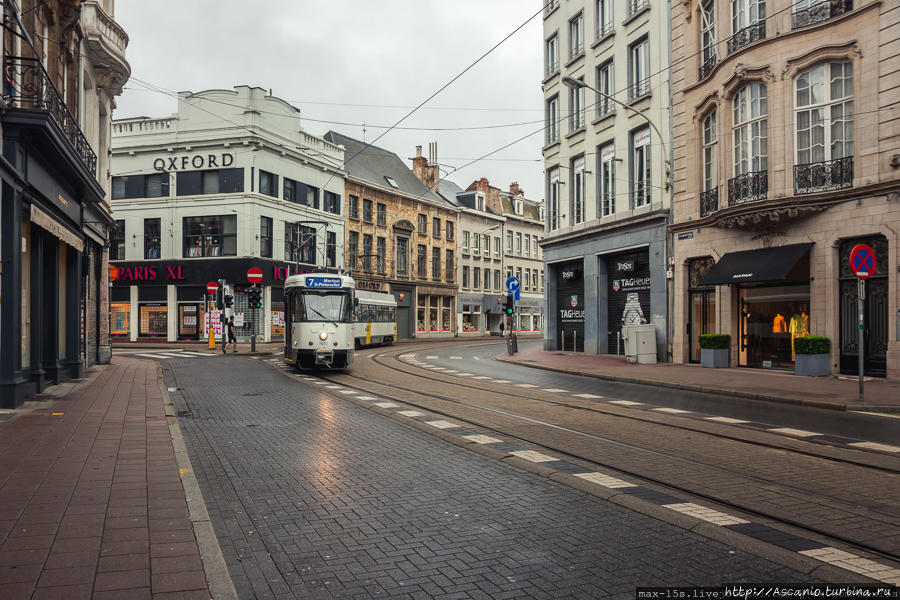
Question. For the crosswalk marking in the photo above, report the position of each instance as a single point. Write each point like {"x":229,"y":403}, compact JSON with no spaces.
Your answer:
{"x":502,"y":381}
{"x":410,"y":413}
{"x":728,"y":420}
{"x":626,"y":403}
{"x":347,"y":392}
{"x":554,"y":390}
{"x":431,"y":357}
{"x":587,"y":396}
{"x":526,"y":385}
{"x":386,"y":405}
{"x":674,"y":411}
{"x":456,"y":358}
{"x":149,"y":355}
{"x":365,"y":397}
{"x":482,"y":377}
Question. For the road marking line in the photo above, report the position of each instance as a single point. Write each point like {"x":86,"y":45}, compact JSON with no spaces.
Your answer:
{"x":533,"y":456}
{"x":155,"y":356}
{"x":451,"y":371}
{"x":439,"y":368}
{"x":875,"y":446}
{"x":431,"y":357}
{"x":386,"y":405}
{"x":705,"y":514}
{"x":407,"y":356}
{"x":333,"y":387}
{"x":348,"y":392}
{"x":170,"y":390}
{"x":464,"y":374}
{"x":725,"y":420}
{"x":320,"y":382}
{"x":587,"y":396}
{"x":626,"y":403}
{"x":456,"y":358}
{"x":442,"y":424}
{"x":857,"y":564}
{"x":410,"y":413}
{"x":476,"y":358}
{"x":790,"y":431}
{"x":365,"y":397}
{"x":554,"y":390}
{"x":206,"y":354}
{"x":674,"y":411}
{"x":526,"y":385}
{"x":605,"y":480}
{"x":482,"y":377}
{"x":875,"y":414}
{"x":502,"y":381}
{"x":481,"y":439}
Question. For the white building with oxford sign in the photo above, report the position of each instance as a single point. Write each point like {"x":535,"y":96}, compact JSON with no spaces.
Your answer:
{"x":229,"y":182}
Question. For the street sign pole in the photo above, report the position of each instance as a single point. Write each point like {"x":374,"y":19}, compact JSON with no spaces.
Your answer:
{"x":860,"y":298}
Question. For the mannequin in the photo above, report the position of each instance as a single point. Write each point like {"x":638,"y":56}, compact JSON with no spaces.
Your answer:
{"x":779,"y":325}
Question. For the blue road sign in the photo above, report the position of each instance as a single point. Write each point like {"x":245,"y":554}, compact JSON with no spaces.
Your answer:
{"x":512,"y":287}
{"x":862,"y":261}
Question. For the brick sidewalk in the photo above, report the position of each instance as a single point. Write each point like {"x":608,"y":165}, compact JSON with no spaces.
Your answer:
{"x":784,"y":386}
{"x":91,"y":501}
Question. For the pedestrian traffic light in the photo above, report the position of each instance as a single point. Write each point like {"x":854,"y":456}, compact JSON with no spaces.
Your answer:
{"x":229,"y":300}
{"x":219,"y":302}
{"x":510,"y":304}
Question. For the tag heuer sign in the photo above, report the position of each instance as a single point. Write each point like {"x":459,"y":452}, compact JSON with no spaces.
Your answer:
{"x":616,"y":285}
{"x":574,"y":301}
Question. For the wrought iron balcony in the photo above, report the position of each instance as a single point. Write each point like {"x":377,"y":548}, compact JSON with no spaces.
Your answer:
{"x":747,"y":35}
{"x":709,"y":201}
{"x":707,"y":66}
{"x":636,"y":6}
{"x":29,"y":87}
{"x":639,"y":89}
{"x":821,"y":11}
{"x":748,"y":187}
{"x":823,"y":176}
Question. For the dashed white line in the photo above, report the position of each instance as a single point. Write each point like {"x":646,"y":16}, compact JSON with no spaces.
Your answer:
{"x":605,"y":480}
{"x":386,"y":405}
{"x":857,"y":564}
{"x":533,"y":456}
{"x":502,"y":381}
{"x":348,"y":392}
{"x":365,"y":397}
{"x":455,"y":358}
{"x":172,"y":390}
{"x":587,"y":396}
{"x":442,"y":424}
{"x":626,"y":403}
{"x":674,"y":411}
{"x":728,"y":420}
{"x":464,"y":374}
{"x":794,"y":432}
{"x":482,"y":377}
{"x":875,"y":446}
{"x":482,"y":439}
{"x":410,"y":413}
{"x":705,"y":514}
{"x":431,"y":357}
{"x":526,"y":385}
{"x":554,"y":390}
{"x":476,"y":358}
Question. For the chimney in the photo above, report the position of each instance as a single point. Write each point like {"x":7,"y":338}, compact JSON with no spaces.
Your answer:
{"x":482,"y":184}
{"x":429,"y":174}
{"x":515,"y":190}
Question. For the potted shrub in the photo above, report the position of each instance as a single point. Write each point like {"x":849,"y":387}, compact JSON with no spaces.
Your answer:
{"x":812,"y":354}
{"x":715,"y":350}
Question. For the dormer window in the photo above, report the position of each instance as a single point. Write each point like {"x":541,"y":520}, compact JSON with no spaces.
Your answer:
{"x":391,"y":181}
{"x":479,"y":202}
{"x":519,"y":207}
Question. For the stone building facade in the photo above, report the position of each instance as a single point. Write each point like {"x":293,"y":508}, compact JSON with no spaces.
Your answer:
{"x":400,"y":239}
{"x":606,"y":159}
{"x":787,"y":155}
{"x":63,"y":70}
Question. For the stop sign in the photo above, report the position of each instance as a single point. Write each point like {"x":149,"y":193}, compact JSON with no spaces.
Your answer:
{"x":212,"y":287}
{"x":254,"y":275}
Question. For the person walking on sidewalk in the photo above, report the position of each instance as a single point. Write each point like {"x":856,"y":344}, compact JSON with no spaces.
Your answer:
{"x":502,"y":327}
{"x":232,"y":338}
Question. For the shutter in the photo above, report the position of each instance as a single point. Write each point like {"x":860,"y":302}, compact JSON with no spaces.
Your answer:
{"x":628,"y":292}
{"x":570,"y":306}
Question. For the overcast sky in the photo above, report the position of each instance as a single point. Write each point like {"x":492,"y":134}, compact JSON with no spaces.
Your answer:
{"x":324,"y":56}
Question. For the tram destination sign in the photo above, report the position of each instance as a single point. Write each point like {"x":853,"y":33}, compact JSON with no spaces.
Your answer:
{"x":323,"y":282}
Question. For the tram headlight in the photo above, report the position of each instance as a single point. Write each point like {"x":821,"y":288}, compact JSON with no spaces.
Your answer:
{"x":323,"y":336}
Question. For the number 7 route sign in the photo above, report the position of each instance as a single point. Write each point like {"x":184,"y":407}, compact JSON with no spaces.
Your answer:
{"x":862,"y":261}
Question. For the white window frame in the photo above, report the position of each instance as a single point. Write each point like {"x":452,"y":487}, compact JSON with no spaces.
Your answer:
{"x":606,"y":83}
{"x":827,"y":106}
{"x":578,"y":190}
{"x":710,"y":147}
{"x":551,"y":54}
{"x":605,"y":23}
{"x":750,"y":129}
{"x":497,"y":246}
{"x":465,"y":242}
{"x":553,"y":186}
{"x":479,"y":202}
{"x":552,"y":125}
{"x":527,"y":244}
{"x":519,"y":243}
{"x":708,"y":32}
{"x":576,"y":35}
{"x":606,"y":180}
{"x":745,"y":13}
{"x":486,"y":243}
{"x":641,"y":168}
{"x":639,"y":69}
{"x":576,"y":108}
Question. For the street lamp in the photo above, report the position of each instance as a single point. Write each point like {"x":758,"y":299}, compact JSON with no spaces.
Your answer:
{"x":574,"y":84}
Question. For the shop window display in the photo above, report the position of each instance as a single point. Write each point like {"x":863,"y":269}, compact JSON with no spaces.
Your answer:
{"x":471,"y":320}
{"x":420,"y":314}
{"x":446,"y":312}
{"x":771,"y":318}
{"x":119,"y":319}
{"x":153,"y":320}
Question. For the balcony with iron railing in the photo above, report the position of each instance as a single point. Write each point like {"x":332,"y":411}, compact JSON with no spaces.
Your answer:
{"x":706,"y":67}
{"x":747,"y":35}
{"x":748,"y":187}
{"x":823,"y":176}
{"x":709,"y":201}
{"x":636,"y":6}
{"x":30,"y":88}
{"x":639,"y":89}
{"x":821,"y":11}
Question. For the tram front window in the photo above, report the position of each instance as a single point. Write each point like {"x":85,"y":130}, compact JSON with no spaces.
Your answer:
{"x":322,"y":306}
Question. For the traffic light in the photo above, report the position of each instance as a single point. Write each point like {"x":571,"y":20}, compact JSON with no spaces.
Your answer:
{"x":229,"y":300}
{"x":510,"y":306}
{"x":254,"y":297}
{"x":219,"y":302}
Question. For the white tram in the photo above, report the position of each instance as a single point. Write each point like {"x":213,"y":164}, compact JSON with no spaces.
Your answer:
{"x":319,"y":319}
{"x":375,"y":318}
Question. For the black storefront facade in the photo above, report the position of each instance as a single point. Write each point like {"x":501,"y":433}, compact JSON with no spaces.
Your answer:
{"x":166,"y":300}
{"x":52,"y":241}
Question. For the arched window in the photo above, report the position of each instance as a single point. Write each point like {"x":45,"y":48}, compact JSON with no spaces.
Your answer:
{"x":751,"y":144}
{"x":823,"y":121}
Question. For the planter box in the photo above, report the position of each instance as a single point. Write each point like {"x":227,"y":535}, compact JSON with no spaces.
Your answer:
{"x":812,"y":365}
{"x":715,"y":359}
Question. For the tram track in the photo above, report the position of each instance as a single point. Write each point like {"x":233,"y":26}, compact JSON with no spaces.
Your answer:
{"x":367,"y":384}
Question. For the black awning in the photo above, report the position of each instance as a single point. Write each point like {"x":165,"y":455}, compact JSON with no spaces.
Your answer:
{"x":765,"y":264}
